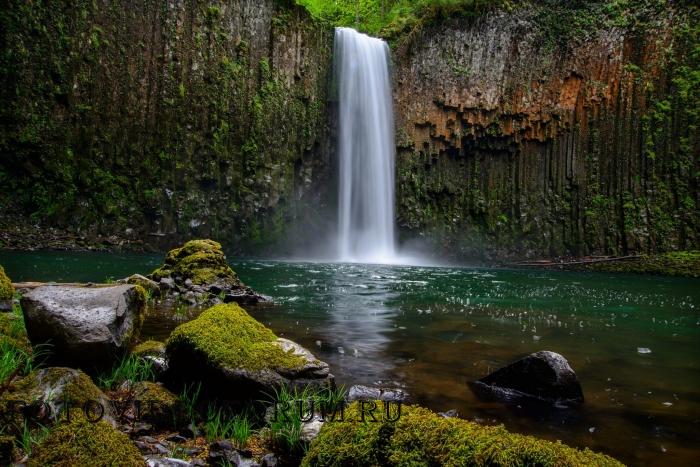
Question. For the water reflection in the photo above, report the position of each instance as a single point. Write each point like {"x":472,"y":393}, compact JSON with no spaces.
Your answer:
{"x":360,"y":323}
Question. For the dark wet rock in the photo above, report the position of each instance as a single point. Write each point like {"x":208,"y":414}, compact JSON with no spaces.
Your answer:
{"x":7,"y":447}
{"x":176,"y":439}
{"x":367,"y":393}
{"x":237,"y":357}
{"x":199,"y":272}
{"x":84,"y":327}
{"x":544,"y":376}
{"x":224,"y":453}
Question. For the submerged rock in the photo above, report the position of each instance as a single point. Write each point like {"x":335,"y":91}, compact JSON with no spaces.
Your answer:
{"x":544,"y":376}
{"x":199,"y":271}
{"x":236,"y":356}
{"x":84,"y":327}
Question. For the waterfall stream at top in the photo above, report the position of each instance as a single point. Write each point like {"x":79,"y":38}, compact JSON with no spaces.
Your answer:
{"x":365,"y":148}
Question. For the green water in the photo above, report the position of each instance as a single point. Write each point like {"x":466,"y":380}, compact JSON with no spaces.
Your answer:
{"x":431,"y":330}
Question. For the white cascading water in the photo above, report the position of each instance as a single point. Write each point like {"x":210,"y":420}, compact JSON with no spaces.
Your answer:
{"x":366,"y":149}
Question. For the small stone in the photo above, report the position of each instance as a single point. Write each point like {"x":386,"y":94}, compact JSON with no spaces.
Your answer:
{"x":269,"y":460}
{"x":452,"y":413}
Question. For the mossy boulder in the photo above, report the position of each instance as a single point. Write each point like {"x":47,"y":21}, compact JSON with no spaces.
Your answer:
{"x":422,"y":437}
{"x":7,"y":291}
{"x":158,"y":406}
{"x":84,"y":327}
{"x":80,"y":442}
{"x":199,"y":273}
{"x":235,"y":355}
{"x":46,"y":392}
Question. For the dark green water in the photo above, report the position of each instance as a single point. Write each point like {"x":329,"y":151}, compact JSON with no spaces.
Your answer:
{"x":431,"y":330}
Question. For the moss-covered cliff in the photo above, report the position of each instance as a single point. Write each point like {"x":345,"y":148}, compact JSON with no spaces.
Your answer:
{"x":551,"y":128}
{"x":536,"y":128}
{"x":164,"y":119}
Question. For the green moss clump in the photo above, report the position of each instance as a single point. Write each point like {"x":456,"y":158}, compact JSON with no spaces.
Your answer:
{"x":421,"y":437}
{"x":201,"y":261}
{"x":158,"y":406}
{"x":77,"y":387}
{"x":80,"y":442}
{"x":7,"y":291}
{"x":229,"y":336}
{"x":51,"y":385}
{"x":13,"y":332}
{"x":152,"y":348}
{"x":677,"y":263}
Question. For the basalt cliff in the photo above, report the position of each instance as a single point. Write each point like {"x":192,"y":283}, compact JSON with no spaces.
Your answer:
{"x":547,"y":129}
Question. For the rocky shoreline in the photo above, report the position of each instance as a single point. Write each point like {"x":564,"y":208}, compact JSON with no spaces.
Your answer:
{"x":220,"y":390}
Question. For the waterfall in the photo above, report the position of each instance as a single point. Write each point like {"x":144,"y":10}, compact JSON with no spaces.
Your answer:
{"x":365,"y":149}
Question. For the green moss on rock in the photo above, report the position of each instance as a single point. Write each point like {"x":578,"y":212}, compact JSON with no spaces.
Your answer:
{"x":54,"y":386}
{"x":677,"y":263}
{"x":6,"y":289}
{"x":80,"y":442}
{"x":230,"y":337}
{"x":13,"y":332}
{"x":149,"y":348}
{"x":421,"y":437}
{"x":201,"y":261}
{"x":158,"y":406}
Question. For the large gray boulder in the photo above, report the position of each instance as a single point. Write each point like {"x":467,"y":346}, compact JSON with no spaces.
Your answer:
{"x":84,"y":327}
{"x":544,"y":376}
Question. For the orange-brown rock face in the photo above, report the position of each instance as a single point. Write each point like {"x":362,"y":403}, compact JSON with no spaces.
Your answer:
{"x":514,"y":145}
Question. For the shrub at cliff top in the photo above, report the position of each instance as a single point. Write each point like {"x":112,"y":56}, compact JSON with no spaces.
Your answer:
{"x":421,"y":437}
{"x":83,"y":443}
{"x":201,"y":261}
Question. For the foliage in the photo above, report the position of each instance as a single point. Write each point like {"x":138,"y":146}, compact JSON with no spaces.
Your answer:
{"x":223,"y":424}
{"x":189,"y":397}
{"x":389,"y":18}
{"x":30,"y":437}
{"x":130,"y":368}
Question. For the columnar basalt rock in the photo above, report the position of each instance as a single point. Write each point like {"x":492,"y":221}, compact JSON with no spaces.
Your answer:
{"x":518,"y":142}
